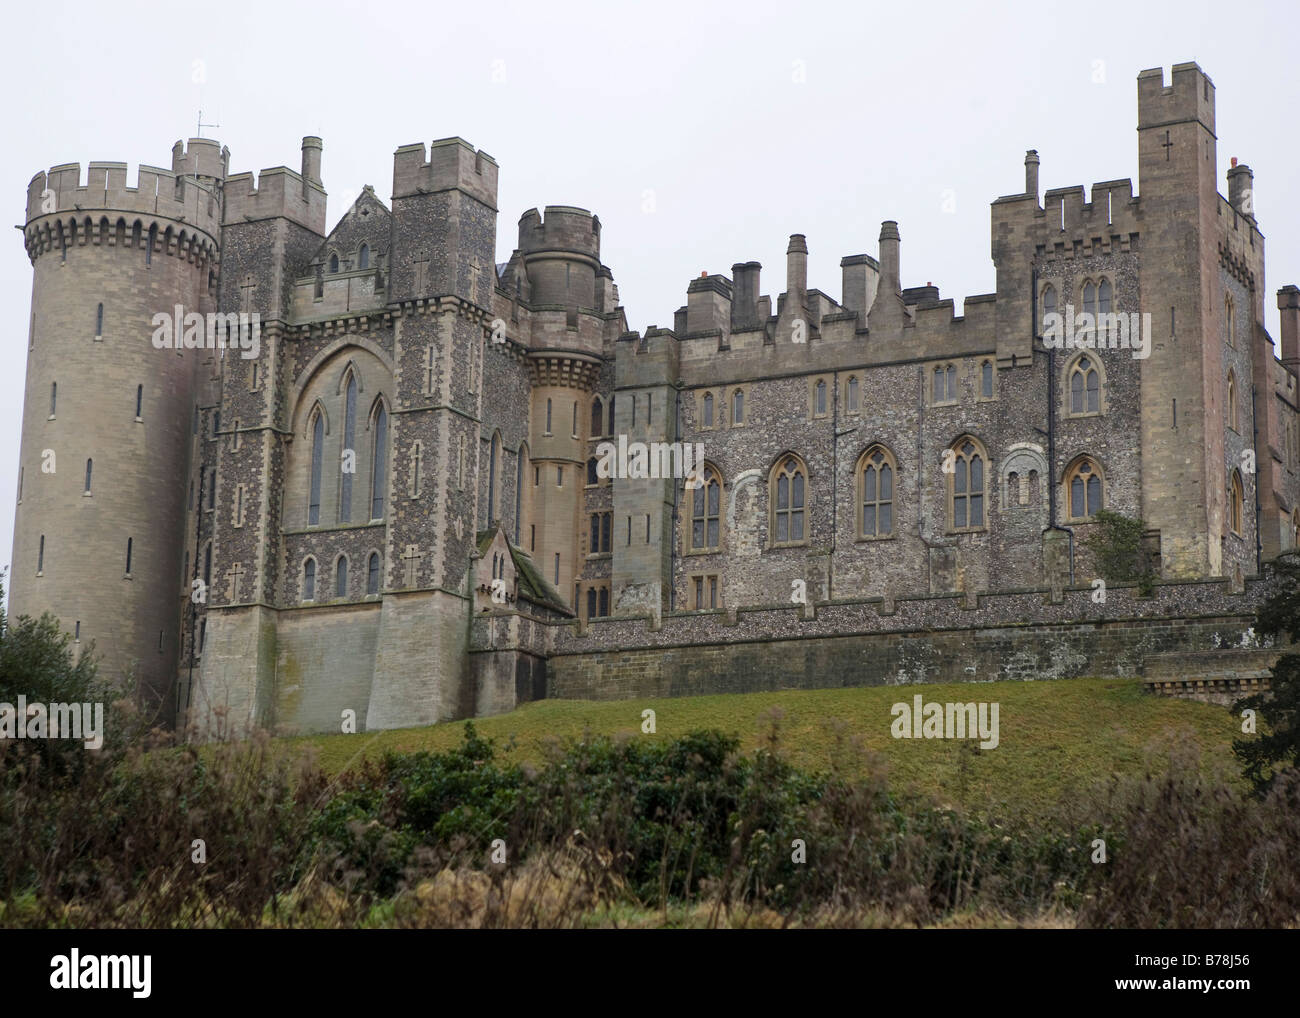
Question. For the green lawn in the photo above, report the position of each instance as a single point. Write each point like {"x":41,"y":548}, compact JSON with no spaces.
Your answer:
{"x":1057,"y":738}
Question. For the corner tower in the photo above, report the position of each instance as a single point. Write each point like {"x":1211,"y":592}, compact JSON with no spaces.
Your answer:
{"x":98,"y":530}
{"x":567,"y":290}
{"x":1184,"y":476}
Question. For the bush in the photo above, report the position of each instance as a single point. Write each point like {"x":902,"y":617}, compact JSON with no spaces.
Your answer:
{"x":1117,"y":549}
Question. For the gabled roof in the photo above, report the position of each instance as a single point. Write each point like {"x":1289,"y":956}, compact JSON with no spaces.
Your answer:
{"x":532,"y":584}
{"x":368,"y":219}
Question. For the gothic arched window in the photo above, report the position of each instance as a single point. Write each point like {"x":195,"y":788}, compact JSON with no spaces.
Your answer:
{"x":341,"y":577}
{"x":1231,"y":418}
{"x":788,"y":499}
{"x":967,"y":489}
{"x":309,"y":580}
{"x":349,"y":456}
{"x":372,"y":574}
{"x":317,"y":462}
{"x":876,"y":470}
{"x":493,"y":451}
{"x":1083,"y":484}
{"x":1236,"y":509}
{"x":1085,"y":387}
{"x":379,"y":463}
{"x":706,"y":512}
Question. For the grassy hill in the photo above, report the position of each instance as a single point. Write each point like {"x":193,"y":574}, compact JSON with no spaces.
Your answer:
{"x":1057,"y":738}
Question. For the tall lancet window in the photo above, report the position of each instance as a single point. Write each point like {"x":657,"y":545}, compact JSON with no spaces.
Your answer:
{"x":379,"y":465}
{"x":492,"y":480}
{"x":519,"y":490}
{"x":349,"y":457}
{"x":317,"y":456}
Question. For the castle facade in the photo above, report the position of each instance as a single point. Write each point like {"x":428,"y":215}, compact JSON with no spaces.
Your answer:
{"x":394,"y":496}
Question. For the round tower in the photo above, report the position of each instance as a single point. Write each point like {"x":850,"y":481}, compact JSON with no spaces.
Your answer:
{"x":109,"y":403}
{"x":568,"y":294}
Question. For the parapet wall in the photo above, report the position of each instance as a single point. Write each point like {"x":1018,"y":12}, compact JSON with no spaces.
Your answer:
{"x":451,"y":163}
{"x":944,"y":638}
{"x":564,"y":228}
{"x":158,"y":192}
{"x":278,"y":192}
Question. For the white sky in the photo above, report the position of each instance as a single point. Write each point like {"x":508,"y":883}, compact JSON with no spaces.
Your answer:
{"x":696,"y":106}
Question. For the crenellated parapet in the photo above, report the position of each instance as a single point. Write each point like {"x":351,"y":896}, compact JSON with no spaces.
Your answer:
{"x":157,"y":192}
{"x":1067,"y":226}
{"x":181,"y":213}
{"x":450,"y":164}
{"x":277,"y":193}
{"x":201,"y":157}
{"x":564,"y":228}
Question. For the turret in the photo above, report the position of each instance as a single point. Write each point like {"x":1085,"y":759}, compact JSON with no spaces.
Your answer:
{"x":562,"y":255}
{"x":106,"y":447}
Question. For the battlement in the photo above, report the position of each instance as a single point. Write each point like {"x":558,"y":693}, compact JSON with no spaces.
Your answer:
{"x":277,"y":193}
{"x":564,"y":228}
{"x":201,"y":157}
{"x":1066,"y":218}
{"x":158,"y":192}
{"x":451,"y":164}
{"x":1189,"y":97}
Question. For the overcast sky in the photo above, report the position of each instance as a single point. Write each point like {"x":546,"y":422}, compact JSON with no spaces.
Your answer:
{"x":701,"y":133}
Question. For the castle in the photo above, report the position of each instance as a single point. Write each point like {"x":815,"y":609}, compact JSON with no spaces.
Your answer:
{"x":396,"y":502}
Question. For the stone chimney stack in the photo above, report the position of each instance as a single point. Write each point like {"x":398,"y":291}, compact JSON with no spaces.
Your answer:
{"x":744,"y":307}
{"x":889,"y":257}
{"x":311,"y":149}
{"x":1031,"y":173}
{"x":861,"y":275}
{"x":1241,"y":189}
{"x":1288,"y":303}
{"x":796,"y":267}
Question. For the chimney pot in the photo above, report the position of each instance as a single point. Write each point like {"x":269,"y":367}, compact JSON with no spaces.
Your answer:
{"x":311,"y":149}
{"x":796,"y":265}
{"x":889,"y":257}
{"x":1031,"y":173}
{"x":1288,"y":303}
